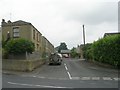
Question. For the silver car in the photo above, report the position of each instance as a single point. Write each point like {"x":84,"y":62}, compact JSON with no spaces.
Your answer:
{"x":55,"y":58}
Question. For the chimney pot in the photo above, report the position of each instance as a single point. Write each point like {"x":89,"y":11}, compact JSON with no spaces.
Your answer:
{"x":9,"y":21}
{"x":3,"y":20}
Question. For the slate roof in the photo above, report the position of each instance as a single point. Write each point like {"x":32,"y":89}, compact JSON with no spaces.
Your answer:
{"x":20,"y":22}
{"x":107,"y":34}
{"x":65,"y":51}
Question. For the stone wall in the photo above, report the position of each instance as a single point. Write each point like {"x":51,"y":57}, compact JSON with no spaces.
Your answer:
{"x":34,"y":56}
{"x":25,"y":56}
{"x":21,"y":65}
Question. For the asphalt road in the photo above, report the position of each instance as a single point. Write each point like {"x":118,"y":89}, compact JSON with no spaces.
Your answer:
{"x":73,"y":73}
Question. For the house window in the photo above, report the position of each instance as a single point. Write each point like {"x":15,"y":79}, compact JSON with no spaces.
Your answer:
{"x":16,"y":32}
{"x":34,"y":34}
{"x":38,"y":37}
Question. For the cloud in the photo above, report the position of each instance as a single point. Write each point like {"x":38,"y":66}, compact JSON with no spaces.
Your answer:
{"x":95,"y":14}
{"x":62,"y":20}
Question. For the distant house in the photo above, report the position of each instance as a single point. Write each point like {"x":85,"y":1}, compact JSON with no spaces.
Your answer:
{"x":57,"y":48}
{"x":47,"y":47}
{"x":109,"y":34}
{"x":65,"y":53}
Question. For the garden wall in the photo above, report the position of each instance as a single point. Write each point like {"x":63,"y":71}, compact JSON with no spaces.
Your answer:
{"x":21,"y":65}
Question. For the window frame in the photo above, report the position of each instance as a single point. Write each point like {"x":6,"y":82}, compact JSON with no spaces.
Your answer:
{"x":16,"y":31}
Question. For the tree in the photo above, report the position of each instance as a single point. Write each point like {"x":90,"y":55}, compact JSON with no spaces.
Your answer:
{"x":73,"y":53}
{"x":87,"y":51}
{"x":62,"y":46}
{"x":19,"y":46}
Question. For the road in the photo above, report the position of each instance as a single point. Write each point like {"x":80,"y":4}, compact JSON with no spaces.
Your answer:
{"x":73,"y":73}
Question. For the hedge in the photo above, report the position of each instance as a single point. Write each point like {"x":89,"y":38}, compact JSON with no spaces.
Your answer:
{"x":107,"y":50}
{"x":87,"y":51}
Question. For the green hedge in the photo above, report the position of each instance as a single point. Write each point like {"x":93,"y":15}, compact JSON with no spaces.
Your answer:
{"x":107,"y":50}
{"x":87,"y":51}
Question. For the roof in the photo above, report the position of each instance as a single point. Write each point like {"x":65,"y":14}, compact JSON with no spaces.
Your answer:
{"x":57,"y":48}
{"x":21,"y":22}
{"x":81,"y":45}
{"x":107,"y":34}
{"x":65,"y":51}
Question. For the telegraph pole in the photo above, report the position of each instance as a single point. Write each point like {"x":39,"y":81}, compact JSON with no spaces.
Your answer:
{"x":84,"y":35}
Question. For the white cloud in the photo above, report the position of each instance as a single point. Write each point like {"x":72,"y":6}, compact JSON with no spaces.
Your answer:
{"x":62,"y":20}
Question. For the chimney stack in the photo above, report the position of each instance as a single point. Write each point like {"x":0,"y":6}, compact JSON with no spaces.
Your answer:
{"x":3,"y":20}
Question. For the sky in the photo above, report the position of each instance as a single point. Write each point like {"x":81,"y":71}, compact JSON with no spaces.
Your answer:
{"x":62,"y":20}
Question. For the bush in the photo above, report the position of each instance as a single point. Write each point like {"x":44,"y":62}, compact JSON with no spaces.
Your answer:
{"x":107,"y":50}
{"x":87,"y":51}
{"x":19,"y":46}
{"x":74,"y":54}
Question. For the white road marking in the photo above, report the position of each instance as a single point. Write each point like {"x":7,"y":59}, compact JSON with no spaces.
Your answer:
{"x":67,"y":71}
{"x":85,"y":78}
{"x":107,"y":78}
{"x":41,"y":77}
{"x":69,"y":75}
{"x":116,"y":78}
{"x":76,"y":78}
{"x":95,"y":78}
{"x":64,"y":64}
{"x":35,"y":85}
{"x":66,"y":68}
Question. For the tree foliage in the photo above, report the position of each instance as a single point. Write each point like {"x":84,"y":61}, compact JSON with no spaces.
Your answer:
{"x":62,"y":46}
{"x":73,"y":53}
{"x":19,"y":46}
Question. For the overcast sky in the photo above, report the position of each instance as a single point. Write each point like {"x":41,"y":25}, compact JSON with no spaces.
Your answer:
{"x":62,"y":20}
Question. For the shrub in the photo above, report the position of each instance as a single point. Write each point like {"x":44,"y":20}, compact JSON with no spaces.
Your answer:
{"x":19,"y":46}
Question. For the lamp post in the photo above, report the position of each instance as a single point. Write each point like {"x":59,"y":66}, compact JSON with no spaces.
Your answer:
{"x":84,"y":35}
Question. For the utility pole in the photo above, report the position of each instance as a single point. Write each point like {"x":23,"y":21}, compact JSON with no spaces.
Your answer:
{"x":84,"y":35}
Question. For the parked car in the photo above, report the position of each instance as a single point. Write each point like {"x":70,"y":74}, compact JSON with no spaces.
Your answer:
{"x":55,"y":58}
{"x":65,"y":56}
